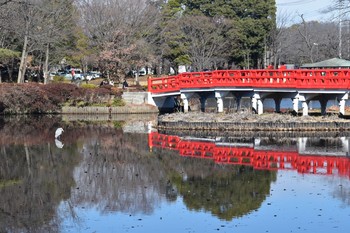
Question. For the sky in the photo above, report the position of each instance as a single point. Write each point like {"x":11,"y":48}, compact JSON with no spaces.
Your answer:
{"x":311,"y":9}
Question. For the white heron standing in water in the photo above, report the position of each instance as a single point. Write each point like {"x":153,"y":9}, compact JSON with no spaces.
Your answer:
{"x":58,"y":133}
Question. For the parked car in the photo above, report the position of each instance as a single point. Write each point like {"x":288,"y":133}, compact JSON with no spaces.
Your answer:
{"x":68,"y":76}
{"x":52,"y":74}
{"x":96,"y":74}
{"x":89,"y":76}
{"x":78,"y":74}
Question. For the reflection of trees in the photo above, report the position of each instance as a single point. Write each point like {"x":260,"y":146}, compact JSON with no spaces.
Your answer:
{"x":32,"y":130}
{"x":226,"y":191}
{"x":35,"y":176}
{"x":230,"y":195}
{"x":341,"y":191}
{"x":118,"y":174}
{"x":33,"y":181}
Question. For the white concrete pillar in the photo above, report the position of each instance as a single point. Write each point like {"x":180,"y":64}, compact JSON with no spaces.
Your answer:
{"x":296,"y":104}
{"x":150,"y":99}
{"x":345,"y":144}
{"x":304,"y":104}
{"x":342,"y":103}
{"x":184,"y":102}
{"x":257,"y":141}
{"x":302,"y":145}
{"x":305,"y":107}
{"x":254,"y":104}
{"x":342,"y":107}
{"x":219,"y":102}
{"x":260,"y":107}
{"x":257,"y":104}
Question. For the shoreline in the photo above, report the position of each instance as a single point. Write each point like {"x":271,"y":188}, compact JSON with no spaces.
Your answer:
{"x":127,"y":109}
{"x":248,"y":122}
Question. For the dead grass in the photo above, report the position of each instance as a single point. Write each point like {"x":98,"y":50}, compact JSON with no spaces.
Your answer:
{"x":246,"y":117}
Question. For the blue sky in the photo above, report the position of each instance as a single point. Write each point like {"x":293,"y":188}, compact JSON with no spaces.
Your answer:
{"x":311,"y":9}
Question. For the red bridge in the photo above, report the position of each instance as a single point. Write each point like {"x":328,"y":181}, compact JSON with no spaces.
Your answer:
{"x":301,"y":85}
{"x":248,"y":156}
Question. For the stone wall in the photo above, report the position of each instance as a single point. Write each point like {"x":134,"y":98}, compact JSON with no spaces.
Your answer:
{"x":135,"y":97}
{"x":110,"y":110}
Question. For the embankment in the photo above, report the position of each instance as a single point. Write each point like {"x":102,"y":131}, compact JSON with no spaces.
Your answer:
{"x":245,"y":122}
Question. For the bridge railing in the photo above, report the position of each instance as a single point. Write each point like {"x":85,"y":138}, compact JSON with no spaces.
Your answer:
{"x":163,"y":84}
{"x":298,"y":79}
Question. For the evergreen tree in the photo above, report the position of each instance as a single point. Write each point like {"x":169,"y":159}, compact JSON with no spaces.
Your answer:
{"x":172,"y":38}
{"x":252,"y":19}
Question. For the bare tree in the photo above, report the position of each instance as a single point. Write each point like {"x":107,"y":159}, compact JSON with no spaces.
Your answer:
{"x":36,"y":24}
{"x":276,"y":35}
{"x":58,"y":23}
{"x":306,"y":36}
{"x":123,"y":27}
{"x":308,"y":42}
{"x":205,"y":40}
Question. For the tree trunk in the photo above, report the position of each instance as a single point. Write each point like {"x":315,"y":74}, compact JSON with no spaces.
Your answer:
{"x":46,"y":64}
{"x":137,"y":76}
{"x":28,"y":159}
{"x":22,"y":67}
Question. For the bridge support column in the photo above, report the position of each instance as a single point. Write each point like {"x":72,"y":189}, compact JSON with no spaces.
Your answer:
{"x":185,"y":102}
{"x":219,"y":101}
{"x":342,"y":102}
{"x":203,"y":100}
{"x":278,"y":104}
{"x":296,"y":104}
{"x":305,"y":107}
{"x":257,"y":104}
{"x":238,"y":102}
{"x":345,"y":143}
{"x":342,"y":107}
{"x":302,"y":145}
{"x":254,"y":104}
{"x":257,"y":141}
{"x":323,"y":103}
{"x":260,"y":107}
{"x":304,"y":104}
{"x":150,"y":99}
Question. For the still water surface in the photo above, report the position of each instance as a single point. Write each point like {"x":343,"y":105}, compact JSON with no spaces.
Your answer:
{"x":117,"y":175}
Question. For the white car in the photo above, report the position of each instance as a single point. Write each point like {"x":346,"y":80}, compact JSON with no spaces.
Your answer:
{"x":78,"y":74}
{"x":96,"y":74}
{"x":91,"y":75}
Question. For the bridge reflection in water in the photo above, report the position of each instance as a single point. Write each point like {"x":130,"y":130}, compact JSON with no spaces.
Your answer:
{"x":305,"y":155}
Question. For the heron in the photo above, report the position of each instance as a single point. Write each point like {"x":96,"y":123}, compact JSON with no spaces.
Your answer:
{"x":58,"y":132}
{"x":59,"y":144}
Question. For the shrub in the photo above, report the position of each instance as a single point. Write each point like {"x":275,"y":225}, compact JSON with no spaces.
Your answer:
{"x":88,"y":85}
{"x":39,"y":98}
{"x":118,"y":102}
{"x":57,"y":79}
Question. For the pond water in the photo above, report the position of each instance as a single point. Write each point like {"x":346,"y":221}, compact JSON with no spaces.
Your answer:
{"x":120,"y":175}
